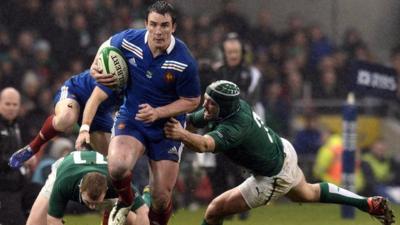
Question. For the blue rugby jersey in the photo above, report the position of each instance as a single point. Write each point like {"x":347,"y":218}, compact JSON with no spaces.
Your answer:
{"x":157,"y":81}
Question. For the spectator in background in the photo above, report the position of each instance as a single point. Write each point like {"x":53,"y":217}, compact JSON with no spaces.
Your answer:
{"x":235,"y":69}
{"x":295,"y":23}
{"x":307,"y":141}
{"x":351,"y":40}
{"x":262,"y":34}
{"x":44,"y":64}
{"x":328,"y":162}
{"x":327,"y":85}
{"x":276,"y":108}
{"x":231,"y":19}
{"x":320,"y":46}
{"x":377,"y":169}
{"x":11,"y":181}
{"x":9,"y":73}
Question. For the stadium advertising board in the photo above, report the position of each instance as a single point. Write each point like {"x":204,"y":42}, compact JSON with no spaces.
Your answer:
{"x":373,"y":79}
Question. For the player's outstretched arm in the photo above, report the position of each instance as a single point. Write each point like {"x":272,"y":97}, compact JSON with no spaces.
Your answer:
{"x":198,"y":143}
{"x":149,"y":114}
{"x":95,"y":99}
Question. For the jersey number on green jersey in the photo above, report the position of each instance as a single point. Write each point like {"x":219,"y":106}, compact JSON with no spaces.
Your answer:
{"x":260,"y":124}
{"x":81,"y":159}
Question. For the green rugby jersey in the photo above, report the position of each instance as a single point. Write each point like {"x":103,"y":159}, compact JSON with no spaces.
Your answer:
{"x":69,"y":175}
{"x":245,"y":139}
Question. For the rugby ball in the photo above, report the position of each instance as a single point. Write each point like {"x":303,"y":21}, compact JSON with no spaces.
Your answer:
{"x":112,"y":61}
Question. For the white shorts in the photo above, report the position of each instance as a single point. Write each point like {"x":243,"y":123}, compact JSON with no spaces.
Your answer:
{"x":261,"y":190}
{"x":48,"y":186}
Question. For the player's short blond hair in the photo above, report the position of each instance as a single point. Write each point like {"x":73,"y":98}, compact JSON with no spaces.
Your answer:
{"x":94,"y":184}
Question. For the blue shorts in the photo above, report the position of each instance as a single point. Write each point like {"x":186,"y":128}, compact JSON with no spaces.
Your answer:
{"x":102,"y":121}
{"x":157,"y":146}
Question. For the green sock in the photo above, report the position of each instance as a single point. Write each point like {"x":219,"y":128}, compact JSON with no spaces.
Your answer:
{"x":331,"y":193}
{"x":205,"y":223}
{"x":147,"y":196}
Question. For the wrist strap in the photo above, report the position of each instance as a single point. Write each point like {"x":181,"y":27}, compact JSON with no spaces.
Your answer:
{"x":84,"y":128}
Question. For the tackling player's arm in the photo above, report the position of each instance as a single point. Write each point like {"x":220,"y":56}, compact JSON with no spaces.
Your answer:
{"x":149,"y":114}
{"x":96,"y":98}
{"x":198,"y":143}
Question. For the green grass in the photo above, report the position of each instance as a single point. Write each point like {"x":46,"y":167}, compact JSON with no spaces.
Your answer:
{"x":277,"y":214}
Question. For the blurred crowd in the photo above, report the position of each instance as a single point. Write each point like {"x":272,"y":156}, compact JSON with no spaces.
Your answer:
{"x":44,"y":42}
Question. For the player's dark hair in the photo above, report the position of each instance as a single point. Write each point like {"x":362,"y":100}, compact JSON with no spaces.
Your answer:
{"x":94,"y":184}
{"x":162,"y":7}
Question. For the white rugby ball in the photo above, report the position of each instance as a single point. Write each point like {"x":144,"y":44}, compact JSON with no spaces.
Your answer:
{"x":112,"y":61}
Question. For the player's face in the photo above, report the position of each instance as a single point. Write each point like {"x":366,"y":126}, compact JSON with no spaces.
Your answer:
{"x":233,"y":52}
{"x":211,"y":108}
{"x":160,"y":29}
{"x":92,"y":203}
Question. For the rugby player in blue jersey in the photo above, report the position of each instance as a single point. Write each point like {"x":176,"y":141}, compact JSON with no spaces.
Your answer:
{"x":70,"y":101}
{"x":163,"y":83}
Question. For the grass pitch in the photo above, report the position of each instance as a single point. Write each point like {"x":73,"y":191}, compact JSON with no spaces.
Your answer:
{"x":276,"y":214}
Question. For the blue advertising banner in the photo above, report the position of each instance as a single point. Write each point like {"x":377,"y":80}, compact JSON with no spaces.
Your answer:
{"x":373,"y":79}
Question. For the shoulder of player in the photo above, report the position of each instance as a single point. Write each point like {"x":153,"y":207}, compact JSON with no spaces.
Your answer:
{"x":183,"y":51}
{"x":135,"y":36}
{"x":237,"y":122}
{"x":241,"y":120}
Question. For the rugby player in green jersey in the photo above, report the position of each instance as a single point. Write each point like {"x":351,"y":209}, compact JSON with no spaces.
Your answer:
{"x":236,"y":131}
{"x":81,"y":176}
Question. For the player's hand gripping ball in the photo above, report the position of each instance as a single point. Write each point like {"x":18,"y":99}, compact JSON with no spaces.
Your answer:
{"x":112,"y":61}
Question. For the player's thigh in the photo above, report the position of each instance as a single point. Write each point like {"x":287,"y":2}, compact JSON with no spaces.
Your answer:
{"x":229,"y":202}
{"x":123,"y":152}
{"x":38,"y":213}
{"x":100,"y":141}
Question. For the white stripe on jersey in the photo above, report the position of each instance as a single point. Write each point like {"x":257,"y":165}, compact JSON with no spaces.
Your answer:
{"x":132,"y":48}
{"x":64,"y":92}
{"x":174,"y":65}
{"x":176,"y":62}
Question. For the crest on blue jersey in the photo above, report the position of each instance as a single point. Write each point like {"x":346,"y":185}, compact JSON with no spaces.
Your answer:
{"x":169,"y":77}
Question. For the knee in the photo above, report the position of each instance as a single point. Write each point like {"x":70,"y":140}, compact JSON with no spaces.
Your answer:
{"x":161,"y":198}
{"x":118,"y":170}
{"x":310,"y":193}
{"x":212,"y":214}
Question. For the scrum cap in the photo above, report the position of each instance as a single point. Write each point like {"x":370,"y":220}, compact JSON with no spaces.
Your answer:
{"x":226,"y":95}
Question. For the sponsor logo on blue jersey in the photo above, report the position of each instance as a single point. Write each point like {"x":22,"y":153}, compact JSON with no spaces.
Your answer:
{"x":132,"y":61}
{"x":149,"y":74}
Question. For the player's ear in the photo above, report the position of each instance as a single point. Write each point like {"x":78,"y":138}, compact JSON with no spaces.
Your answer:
{"x":173,"y":27}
